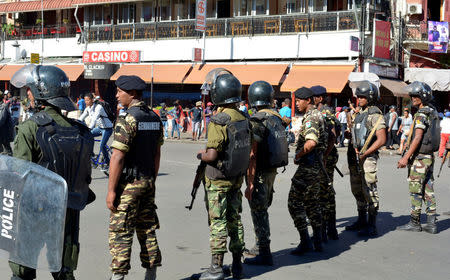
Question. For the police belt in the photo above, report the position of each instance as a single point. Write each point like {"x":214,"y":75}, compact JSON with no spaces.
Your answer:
{"x":132,"y":174}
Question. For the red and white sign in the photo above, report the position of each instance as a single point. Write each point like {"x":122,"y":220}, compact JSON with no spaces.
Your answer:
{"x":200,"y":15}
{"x":382,"y":40}
{"x":111,"y":56}
{"x":197,"y":54}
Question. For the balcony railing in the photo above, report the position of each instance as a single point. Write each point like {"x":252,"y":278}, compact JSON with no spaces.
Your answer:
{"x":416,"y":31}
{"x":49,"y":31}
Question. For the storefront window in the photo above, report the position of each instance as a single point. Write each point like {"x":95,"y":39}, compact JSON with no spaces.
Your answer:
{"x":164,"y":10}
{"x":318,"y":6}
{"x":107,"y":15}
{"x":260,"y":7}
{"x":148,"y":11}
{"x":246,"y":8}
{"x":296,"y":6}
{"x":98,"y":15}
{"x":126,"y":13}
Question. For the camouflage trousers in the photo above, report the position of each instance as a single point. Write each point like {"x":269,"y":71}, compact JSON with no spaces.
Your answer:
{"x":136,"y":211}
{"x":327,"y":196}
{"x":421,"y":182}
{"x":364,"y":186}
{"x":224,"y":199}
{"x":69,"y":255}
{"x":303,"y":200}
{"x":261,"y":200}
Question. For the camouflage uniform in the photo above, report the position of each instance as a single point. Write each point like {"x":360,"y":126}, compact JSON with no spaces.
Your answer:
{"x":224,"y":197}
{"x":303,"y":196}
{"x":136,"y":209}
{"x":364,"y":187}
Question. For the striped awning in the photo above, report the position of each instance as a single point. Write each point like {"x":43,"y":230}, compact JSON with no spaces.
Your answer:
{"x":34,"y":6}
{"x":98,"y":2}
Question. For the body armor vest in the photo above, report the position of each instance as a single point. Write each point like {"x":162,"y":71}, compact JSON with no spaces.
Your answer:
{"x":273,"y":150}
{"x":67,"y":152}
{"x":235,"y":158}
{"x":432,"y":135}
{"x":361,"y":130}
{"x":140,"y":159}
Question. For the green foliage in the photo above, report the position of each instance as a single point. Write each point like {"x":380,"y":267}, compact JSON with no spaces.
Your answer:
{"x":7,"y":28}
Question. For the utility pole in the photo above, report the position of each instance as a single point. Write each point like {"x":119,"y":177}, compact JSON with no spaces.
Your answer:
{"x":362,"y":36}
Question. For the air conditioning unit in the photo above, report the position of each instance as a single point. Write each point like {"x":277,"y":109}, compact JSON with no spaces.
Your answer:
{"x":414,"y":9}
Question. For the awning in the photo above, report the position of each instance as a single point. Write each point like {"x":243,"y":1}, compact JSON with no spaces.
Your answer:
{"x":437,"y":79}
{"x":246,"y":73}
{"x":395,"y":86}
{"x":8,"y":71}
{"x":34,"y":6}
{"x":98,"y":2}
{"x":73,"y":72}
{"x":332,"y":77}
{"x":162,"y":73}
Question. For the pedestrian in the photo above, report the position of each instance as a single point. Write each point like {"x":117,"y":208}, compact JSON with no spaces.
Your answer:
{"x":269,"y":151}
{"x":227,"y":156}
{"x":303,"y":200}
{"x":48,"y":87}
{"x":99,"y":124}
{"x":285,"y":111}
{"x":369,"y":134}
{"x":15,"y":110}
{"x":163,"y":117}
{"x":420,"y":159}
{"x":6,"y":127}
{"x":392,"y":128}
{"x":208,"y":114}
{"x":176,"y":118}
{"x":342,"y":118}
{"x":196,"y":117}
{"x":138,"y":136}
{"x":445,"y":133}
{"x":330,"y":158}
{"x":404,"y":129}
{"x":81,"y":103}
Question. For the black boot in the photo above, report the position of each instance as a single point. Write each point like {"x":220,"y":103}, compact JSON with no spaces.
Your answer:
{"x":215,"y":271}
{"x":263,"y":258}
{"x":413,"y":225}
{"x":317,"y":235}
{"x":360,"y":223}
{"x":236,"y":267}
{"x":331,"y":229}
{"x":430,"y":227}
{"x":305,"y":244}
{"x":371,"y":229}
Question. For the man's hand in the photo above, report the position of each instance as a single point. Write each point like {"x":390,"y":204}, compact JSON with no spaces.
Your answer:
{"x":362,"y":157}
{"x":249,"y":191}
{"x":402,"y":162}
{"x":110,"y":198}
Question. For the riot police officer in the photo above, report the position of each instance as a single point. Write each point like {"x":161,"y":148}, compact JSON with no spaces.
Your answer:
{"x":330,"y":158}
{"x":269,"y":151}
{"x":420,"y":158}
{"x":227,"y":156}
{"x":303,"y":200}
{"x":60,"y":144}
{"x":368,"y":135}
{"x":134,"y":165}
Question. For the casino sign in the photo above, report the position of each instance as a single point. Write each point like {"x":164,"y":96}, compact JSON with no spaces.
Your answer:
{"x":111,"y":56}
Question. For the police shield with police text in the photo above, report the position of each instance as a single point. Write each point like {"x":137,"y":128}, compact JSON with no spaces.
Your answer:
{"x":368,"y":135}
{"x":59,"y":144}
{"x":269,"y":151}
{"x":420,"y":158}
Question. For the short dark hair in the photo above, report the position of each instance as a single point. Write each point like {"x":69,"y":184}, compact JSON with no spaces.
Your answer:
{"x":89,"y":95}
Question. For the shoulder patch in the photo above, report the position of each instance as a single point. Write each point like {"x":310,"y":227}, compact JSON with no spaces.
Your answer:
{"x":374,"y":110}
{"x":221,"y":119}
{"x":41,"y":118}
{"x":308,"y":124}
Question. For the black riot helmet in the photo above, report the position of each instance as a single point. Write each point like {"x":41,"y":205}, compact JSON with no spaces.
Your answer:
{"x":47,"y":83}
{"x":260,"y":93}
{"x":368,"y":90}
{"x":421,"y":90}
{"x":225,"y":89}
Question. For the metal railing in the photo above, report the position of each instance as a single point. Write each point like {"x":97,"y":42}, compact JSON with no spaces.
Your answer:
{"x":416,"y":31}
{"x":49,"y":31}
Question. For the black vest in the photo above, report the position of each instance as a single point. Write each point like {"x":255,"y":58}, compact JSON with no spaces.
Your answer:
{"x":432,"y":134}
{"x":361,"y":130}
{"x":140,"y":159}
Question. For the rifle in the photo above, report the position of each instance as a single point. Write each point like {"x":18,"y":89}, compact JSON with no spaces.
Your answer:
{"x":199,"y":178}
{"x":322,"y":166}
{"x":442,"y":162}
{"x":366,"y":145}
{"x":339,"y":171}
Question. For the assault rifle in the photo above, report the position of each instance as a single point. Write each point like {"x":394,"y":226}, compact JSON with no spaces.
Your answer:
{"x":442,"y":162}
{"x":324,"y":170}
{"x":339,"y":171}
{"x":199,"y":178}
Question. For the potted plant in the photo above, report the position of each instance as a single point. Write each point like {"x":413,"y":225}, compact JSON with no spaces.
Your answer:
{"x":38,"y":21}
{"x":65,"y":21}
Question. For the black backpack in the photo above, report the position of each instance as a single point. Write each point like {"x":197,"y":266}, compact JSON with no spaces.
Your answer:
{"x":110,"y":113}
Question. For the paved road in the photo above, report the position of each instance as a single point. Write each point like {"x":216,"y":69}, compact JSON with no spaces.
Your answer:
{"x":183,"y":236}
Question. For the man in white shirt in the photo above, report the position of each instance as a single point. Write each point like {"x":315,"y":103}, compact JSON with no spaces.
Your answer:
{"x":99,"y":123}
{"x":342,"y":118}
{"x":445,"y":133}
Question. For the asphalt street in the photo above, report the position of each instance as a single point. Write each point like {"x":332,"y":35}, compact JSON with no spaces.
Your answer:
{"x":184,"y":238}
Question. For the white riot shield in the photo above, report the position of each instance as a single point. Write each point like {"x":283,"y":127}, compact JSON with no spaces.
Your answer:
{"x":33,"y":202}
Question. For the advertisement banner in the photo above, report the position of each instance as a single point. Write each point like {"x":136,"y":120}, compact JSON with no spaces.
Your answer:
{"x":99,"y":71}
{"x":111,"y":56}
{"x":200,"y":15}
{"x":437,"y":37}
{"x":382,"y":39}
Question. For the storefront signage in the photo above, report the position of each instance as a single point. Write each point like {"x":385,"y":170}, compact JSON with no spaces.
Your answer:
{"x":196,"y":54}
{"x":437,"y":37}
{"x":111,"y":56}
{"x":34,"y":58}
{"x":200,"y":15}
{"x":354,"y":43}
{"x":384,"y":71}
{"x":382,"y":39}
{"x":99,"y":71}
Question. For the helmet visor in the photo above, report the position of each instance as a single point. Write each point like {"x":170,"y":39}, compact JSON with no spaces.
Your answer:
{"x":23,"y":76}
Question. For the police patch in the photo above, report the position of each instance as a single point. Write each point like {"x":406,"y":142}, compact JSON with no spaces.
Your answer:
{"x":148,"y":126}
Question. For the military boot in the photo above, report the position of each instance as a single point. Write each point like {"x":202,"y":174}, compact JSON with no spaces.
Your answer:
{"x":263,"y":258}
{"x":331,"y":229}
{"x":317,"y":235}
{"x":215,"y":271}
{"x":360,"y":223}
{"x":430,"y":227}
{"x":323,"y":231}
{"x":305,"y":244}
{"x":371,"y":229}
{"x":150,"y":273}
{"x":236,"y":267}
{"x":413,"y":225}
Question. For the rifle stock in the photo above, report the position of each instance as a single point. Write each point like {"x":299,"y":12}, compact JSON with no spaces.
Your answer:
{"x":199,"y":178}
{"x":444,"y":157}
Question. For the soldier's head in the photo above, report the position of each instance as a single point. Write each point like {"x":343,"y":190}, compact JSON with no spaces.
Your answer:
{"x":367,"y":93}
{"x":47,"y":85}
{"x":129,"y":88}
{"x":304,"y":98}
{"x":260,"y":94}
{"x":226,"y":90}
{"x":420,"y":93}
{"x":320,"y":94}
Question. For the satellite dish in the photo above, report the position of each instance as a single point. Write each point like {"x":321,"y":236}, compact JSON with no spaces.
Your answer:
{"x":23,"y":54}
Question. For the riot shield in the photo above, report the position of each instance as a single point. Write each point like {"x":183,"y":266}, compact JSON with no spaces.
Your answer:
{"x":33,"y":202}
